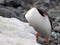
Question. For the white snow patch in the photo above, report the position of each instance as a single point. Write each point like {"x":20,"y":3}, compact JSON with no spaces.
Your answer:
{"x":15,"y":32}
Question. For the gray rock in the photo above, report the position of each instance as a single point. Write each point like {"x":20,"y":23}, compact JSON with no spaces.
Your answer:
{"x":57,"y":28}
{"x":57,"y":19}
{"x":20,"y":12}
{"x":7,"y":13}
{"x":54,"y":12}
{"x":19,"y":8}
{"x":1,"y":1}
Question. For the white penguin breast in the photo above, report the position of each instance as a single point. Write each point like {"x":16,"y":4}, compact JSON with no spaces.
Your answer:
{"x":40,"y":23}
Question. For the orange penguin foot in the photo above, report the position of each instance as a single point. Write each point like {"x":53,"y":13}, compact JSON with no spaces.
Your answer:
{"x":46,"y":40}
{"x":37,"y":36}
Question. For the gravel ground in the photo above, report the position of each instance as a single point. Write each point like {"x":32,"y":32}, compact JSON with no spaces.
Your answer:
{"x":18,"y":9}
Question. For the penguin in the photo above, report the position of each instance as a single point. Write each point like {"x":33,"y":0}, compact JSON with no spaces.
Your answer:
{"x":39,"y":20}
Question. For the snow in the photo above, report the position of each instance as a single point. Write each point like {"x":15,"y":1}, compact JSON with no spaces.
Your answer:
{"x":15,"y":32}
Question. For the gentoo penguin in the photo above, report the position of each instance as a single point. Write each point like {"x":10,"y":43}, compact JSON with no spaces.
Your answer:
{"x":40,"y":21}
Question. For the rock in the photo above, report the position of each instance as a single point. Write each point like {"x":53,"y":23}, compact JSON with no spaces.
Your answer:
{"x":54,"y":12}
{"x":57,"y":19}
{"x":7,"y":13}
{"x":20,"y":8}
{"x":1,"y":6}
{"x":20,"y":12}
{"x":57,"y":28}
{"x":1,"y":1}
